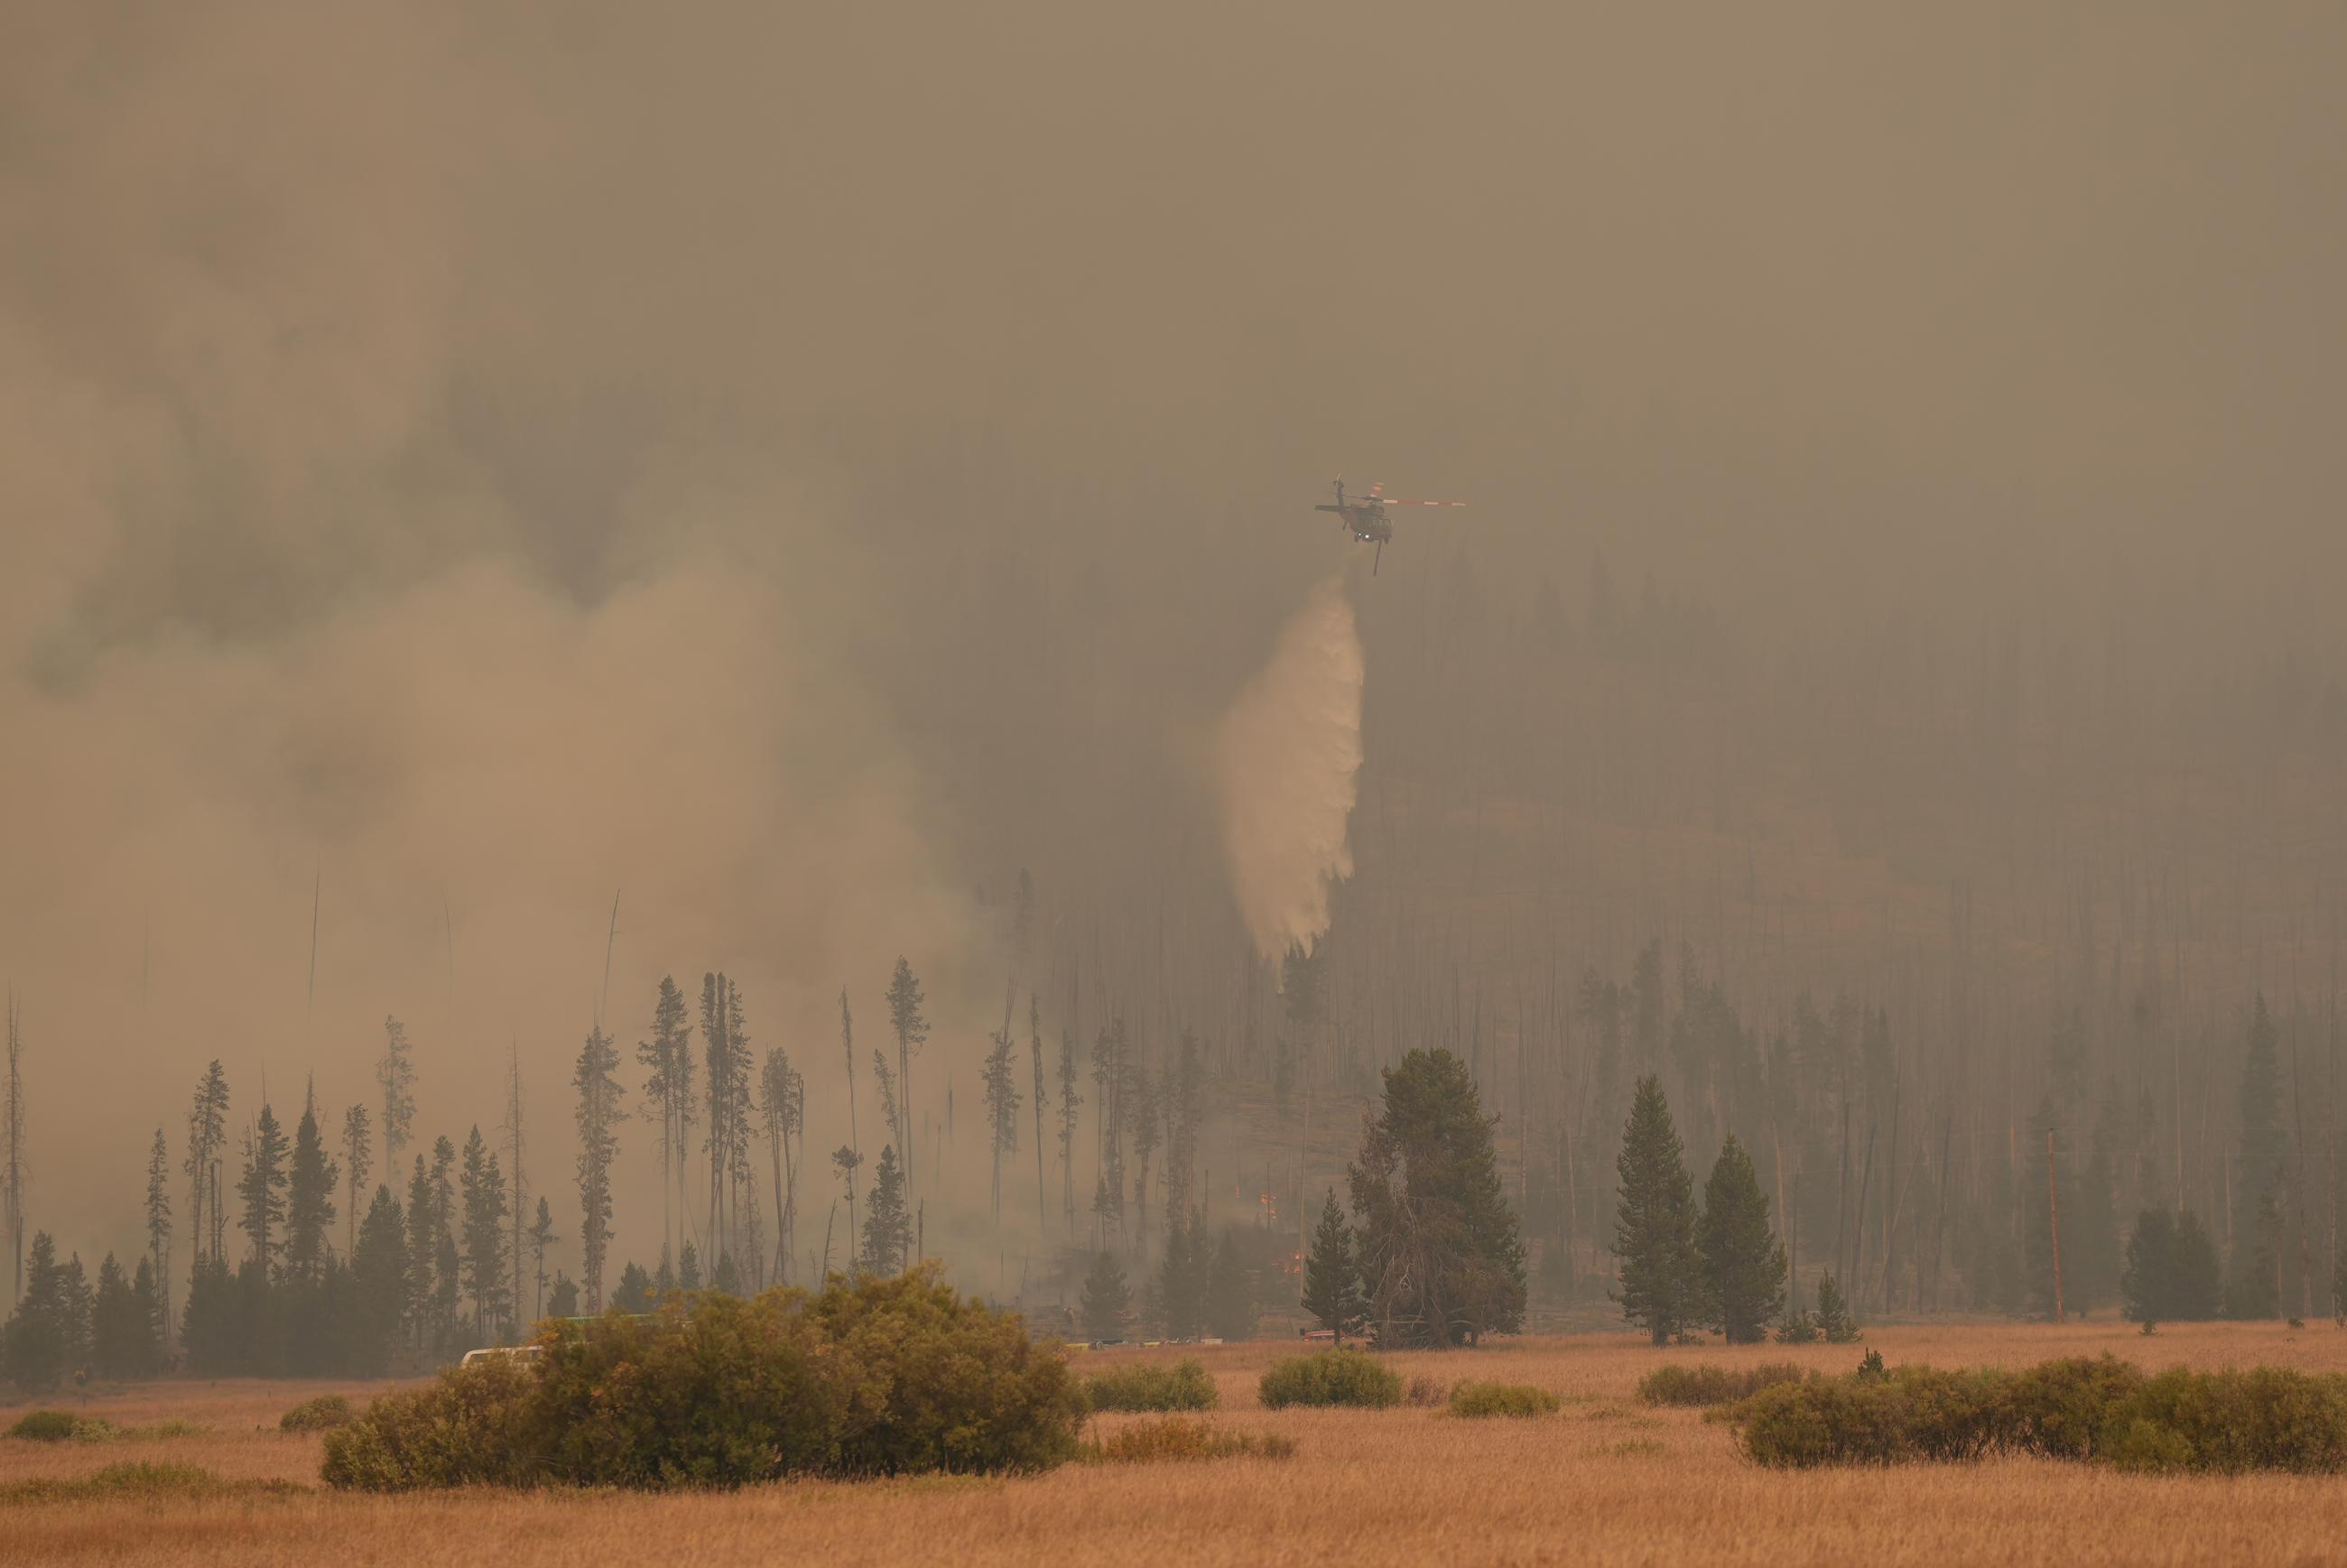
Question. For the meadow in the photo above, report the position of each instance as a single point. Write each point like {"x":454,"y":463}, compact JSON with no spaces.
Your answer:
{"x":1606,"y":1480}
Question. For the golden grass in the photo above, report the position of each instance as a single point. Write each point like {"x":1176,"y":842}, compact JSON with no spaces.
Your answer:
{"x":1606,"y":1481}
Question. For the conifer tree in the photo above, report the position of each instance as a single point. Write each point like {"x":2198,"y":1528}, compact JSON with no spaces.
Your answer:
{"x":358,"y":1165}
{"x":447,"y":1261}
{"x":1332,"y":1281}
{"x":1035,"y":1058}
{"x":2252,"y":1282}
{"x":483,"y":1188}
{"x":541,"y":1237}
{"x":379,"y":1281}
{"x":562,"y":1300}
{"x":310,"y":1203}
{"x":1230,"y":1292}
{"x":667,"y":1058}
{"x":207,"y":1136}
{"x":912,"y":1030}
{"x":1655,"y":1230}
{"x":120,"y":1328}
{"x":1069,"y":1102}
{"x":1002,"y":1102}
{"x":1107,"y":1300}
{"x":262,"y":1187}
{"x":1181,"y":1281}
{"x":1440,"y":1257}
{"x":1743,"y":1261}
{"x":635,"y":1292}
{"x":423,"y":1245}
{"x":781,"y":1101}
{"x":887,"y":1224}
{"x":158,"y":1231}
{"x":38,"y":1338}
{"x":394,"y":1073}
{"x":146,"y":1311}
{"x":597,"y":1117}
{"x":688,"y":1267}
{"x":726,"y":1279}
{"x":845,"y":1160}
{"x":1835,"y":1325}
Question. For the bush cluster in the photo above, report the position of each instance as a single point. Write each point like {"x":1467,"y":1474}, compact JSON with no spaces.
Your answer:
{"x":1475,"y":1399}
{"x":2101,"y":1411}
{"x":1708,"y":1384}
{"x":44,"y":1426}
{"x":1330,"y":1378}
{"x":322,"y":1414}
{"x":880,"y":1377}
{"x":1184,"y":1438}
{"x":1184,"y":1386}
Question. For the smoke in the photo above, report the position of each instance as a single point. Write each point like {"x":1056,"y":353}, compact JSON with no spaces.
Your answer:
{"x":1287,"y":757}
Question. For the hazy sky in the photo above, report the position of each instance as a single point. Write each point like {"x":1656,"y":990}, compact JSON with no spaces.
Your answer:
{"x":476,"y":461}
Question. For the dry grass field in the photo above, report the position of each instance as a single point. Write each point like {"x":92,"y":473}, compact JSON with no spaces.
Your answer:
{"x":1605,"y":1481}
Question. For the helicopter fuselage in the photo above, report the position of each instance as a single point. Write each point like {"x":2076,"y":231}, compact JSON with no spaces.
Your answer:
{"x":1369,"y":523}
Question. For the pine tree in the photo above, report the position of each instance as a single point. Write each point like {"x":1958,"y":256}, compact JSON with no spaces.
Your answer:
{"x":635,"y":1292}
{"x":1835,"y":1325}
{"x":146,"y":1311}
{"x":1743,"y":1261}
{"x":1181,"y":1281}
{"x":541,"y":1236}
{"x":118,"y":1328}
{"x":1230,"y":1293}
{"x":262,"y":1187}
{"x":887,"y":1225}
{"x":379,"y":1281}
{"x":1069,"y":1102}
{"x":423,"y":1243}
{"x":2252,"y":1283}
{"x":207,"y":1136}
{"x":845,"y":1160}
{"x":562,"y":1300}
{"x":1107,"y":1301}
{"x":38,"y":1339}
{"x":448,"y":1263}
{"x":1654,"y":1231}
{"x":726,"y":1088}
{"x":667,"y":1058}
{"x":1002,"y":1103}
{"x":12,"y":1166}
{"x":781,"y":1101}
{"x":1332,"y":1281}
{"x":395,"y":1071}
{"x":726,"y":1279}
{"x":912,"y":1030}
{"x":1035,"y":1057}
{"x":310,"y":1203}
{"x":1183,"y":1105}
{"x":358,"y":1165}
{"x":80,"y":1298}
{"x":688,"y":1272}
{"x":598,"y":1115}
{"x":1441,"y":1255}
{"x":158,"y":1231}
{"x":485,"y":1237}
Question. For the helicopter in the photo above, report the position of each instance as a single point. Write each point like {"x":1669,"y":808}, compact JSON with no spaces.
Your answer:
{"x":1365,"y":516}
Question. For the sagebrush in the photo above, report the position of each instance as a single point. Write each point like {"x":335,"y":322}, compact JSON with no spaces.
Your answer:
{"x":1517,"y":1400}
{"x":1708,"y":1384}
{"x":1179,"y":1437}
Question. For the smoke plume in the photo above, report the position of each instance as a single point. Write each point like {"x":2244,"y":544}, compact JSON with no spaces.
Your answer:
{"x":1285,"y":760}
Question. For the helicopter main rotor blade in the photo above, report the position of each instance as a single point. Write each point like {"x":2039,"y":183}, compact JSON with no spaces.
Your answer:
{"x":1397,"y":501}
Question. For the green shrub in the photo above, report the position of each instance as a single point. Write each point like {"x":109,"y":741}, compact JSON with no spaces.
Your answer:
{"x":2230,"y":1422}
{"x":1184,"y":1386}
{"x":1476,"y":1400}
{"x":1710,"y":1385}
{"x":2061,"y":1409}
{"x":879,"y":1377}
{"x":1915,"y":1413}
{"x":2103,"y":1409}
{"x":322,"y":1414}
{"x":1330,"y":1378}
{"x":44,"y":1426}
{"x":1184,"y":1438}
